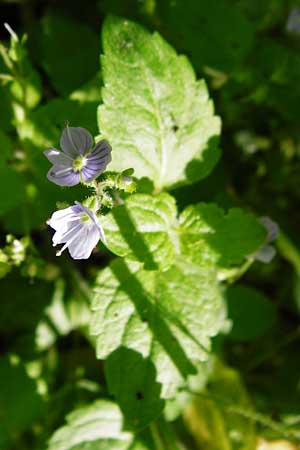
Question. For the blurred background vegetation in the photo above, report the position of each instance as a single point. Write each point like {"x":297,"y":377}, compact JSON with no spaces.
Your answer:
{"x":248,"y":51}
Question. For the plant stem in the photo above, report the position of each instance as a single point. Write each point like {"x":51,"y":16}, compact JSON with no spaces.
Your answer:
{"x":257,"y":417}
{"x":159,"y":445}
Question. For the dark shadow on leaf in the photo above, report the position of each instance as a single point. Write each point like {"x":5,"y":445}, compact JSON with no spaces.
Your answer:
{"x":145,"y":186}
{"x":132,"y":381}
{"x":232,"y":236}
{"x":133,"y":238}
{"x":199,"y":168}
{"x":150,"y":312}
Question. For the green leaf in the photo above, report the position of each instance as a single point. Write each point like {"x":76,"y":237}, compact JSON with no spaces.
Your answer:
{"x":156,"y":115}
{"x":226,"y":239}
{"x":69,"y":52}
{"x":264,"y":13}
{"x":94,"y":427}
{"x":17,"y":390}
{"x":143,"y":229}
{"x":131,"y":379}
{"x":167,"y":317}
{"x":25,"y":86}
{"x":252,"y":313}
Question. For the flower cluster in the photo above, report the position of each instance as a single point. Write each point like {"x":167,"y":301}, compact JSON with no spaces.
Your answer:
{"x":78,"y":226}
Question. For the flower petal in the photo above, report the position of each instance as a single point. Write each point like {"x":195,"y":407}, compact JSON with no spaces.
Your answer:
{"x":265,"y":254}
{"x":97,"y":161}
{"x":62,"y":219}
{"x":271,"y":227}
{"x":58,"y":158}
{"x":63,"y":176}
{"x":102,"y":150}
{"x":75,"y":141}
{"x":82,"y":247}
{"x":95,"y":220}
{"x":65,"y":235}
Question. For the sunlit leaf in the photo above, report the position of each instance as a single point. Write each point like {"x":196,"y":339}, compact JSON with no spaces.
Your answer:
{"x":94,"y":427}
{"x":155,"y":113}
{"x":167,"y":317}
{"x":143,"y":229}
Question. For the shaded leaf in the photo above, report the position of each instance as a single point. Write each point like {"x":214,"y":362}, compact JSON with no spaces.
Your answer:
{"x":226,"y":239}
{"x":17,"y":390}
{"x":131,"y":379}
{"x":216,"y":420}
{"x":12,"y":183}
{"x":69,"y":52}
{"x":6,"y":146}
{"x":214,"y":33}
{"x":252,"y":313}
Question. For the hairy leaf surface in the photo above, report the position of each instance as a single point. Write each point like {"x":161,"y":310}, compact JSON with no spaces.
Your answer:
{"x":94,"y":427}
{"x":143,"y":229}
{"x":166,"y":317}
{"x":155,"y":113}
{"x":226,"y":239}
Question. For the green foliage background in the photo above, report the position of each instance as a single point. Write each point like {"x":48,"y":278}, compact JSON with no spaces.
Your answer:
{"x":173,"y":335}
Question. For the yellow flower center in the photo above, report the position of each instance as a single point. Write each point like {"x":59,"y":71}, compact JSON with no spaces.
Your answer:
{"x":79,"y":163}
{"x":85,"y":217}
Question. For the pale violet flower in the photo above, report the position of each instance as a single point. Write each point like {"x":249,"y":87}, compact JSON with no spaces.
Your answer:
{"x":78,"y":160}
{"x":267,"y":252}
{"x":78,"y":228}
{"x":293,"y":22}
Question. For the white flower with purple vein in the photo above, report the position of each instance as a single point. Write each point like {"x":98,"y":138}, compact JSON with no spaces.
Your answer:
{"x":78,"y":228}
{"x":78,"y":160}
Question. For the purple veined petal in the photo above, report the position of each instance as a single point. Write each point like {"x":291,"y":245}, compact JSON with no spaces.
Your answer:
{"x":63,"y":216}
{"x":62,"y":221}
{"x":271,"y":227}
{"x":89,"y":174}
{"x":97,"y":161}
{"x":75,"y":141}
{"x":82,"y":247}
{"x":78,"y":228}
{"x":63,"y":176}
{"x":75,"y":234}
{"x":64,"y":235}
{"x":265,"y":254}
{"x":58,"y":158}
{"x":101,"y":151}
